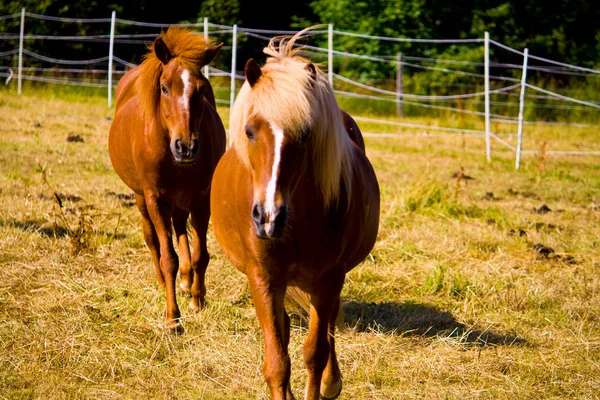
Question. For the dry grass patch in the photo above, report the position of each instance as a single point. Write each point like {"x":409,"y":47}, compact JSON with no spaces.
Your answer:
{"x":470,"y":292}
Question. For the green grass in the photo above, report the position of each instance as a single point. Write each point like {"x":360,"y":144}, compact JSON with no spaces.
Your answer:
{"x":454,"y":302}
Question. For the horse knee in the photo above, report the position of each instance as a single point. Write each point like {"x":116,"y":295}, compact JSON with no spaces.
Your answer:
{"x":169,"y":263}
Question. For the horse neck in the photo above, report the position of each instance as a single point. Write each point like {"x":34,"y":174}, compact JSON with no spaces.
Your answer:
{"x":307,"y":192}
{"x":209,"y":94}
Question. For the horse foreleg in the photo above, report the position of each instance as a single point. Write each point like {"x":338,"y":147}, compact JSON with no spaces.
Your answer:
{"x":267,"y":296}
{"x":200,"y":256}
{"x":161,"y":214}
{"x":150,"y":238}
{"x":318,"y":345}
{"x":180,"y":217}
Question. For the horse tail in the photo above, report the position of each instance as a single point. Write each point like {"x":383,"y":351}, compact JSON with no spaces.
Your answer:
{"x":298,"y":302}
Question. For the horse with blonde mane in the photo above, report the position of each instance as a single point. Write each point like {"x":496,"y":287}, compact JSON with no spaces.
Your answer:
{"x":295,"y":205}
{"x":165,"y":141}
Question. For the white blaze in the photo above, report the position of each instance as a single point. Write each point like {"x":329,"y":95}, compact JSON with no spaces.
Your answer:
{"x":187,"y":87}
{"x":270,"y":200}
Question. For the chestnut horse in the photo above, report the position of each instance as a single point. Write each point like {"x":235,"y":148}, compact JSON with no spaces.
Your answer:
{"x":295,"y":205}
{"x":164,"y":143}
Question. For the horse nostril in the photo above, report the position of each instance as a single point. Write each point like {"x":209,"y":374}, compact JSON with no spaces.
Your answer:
{"x":258,"y":215}
{"x":282,"y":215}
{"x":194,"y":146}
{"x":284,"y":211}
{"x":178,"y":146}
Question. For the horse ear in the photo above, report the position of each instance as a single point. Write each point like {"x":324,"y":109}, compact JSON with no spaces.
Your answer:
{"x":210,"y":53}
{"x":252,"y":71}
{"x":162,"y":51}
{"x":310,"y":67}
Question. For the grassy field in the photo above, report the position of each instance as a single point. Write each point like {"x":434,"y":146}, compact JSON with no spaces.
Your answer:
{"x":474,"y":290}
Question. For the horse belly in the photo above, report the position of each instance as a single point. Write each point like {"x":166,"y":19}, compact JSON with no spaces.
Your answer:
{"x":365,"y":226}
{"x":341,"y":237}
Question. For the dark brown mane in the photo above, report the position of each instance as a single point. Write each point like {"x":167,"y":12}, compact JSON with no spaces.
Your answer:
{"x":187,"y":48}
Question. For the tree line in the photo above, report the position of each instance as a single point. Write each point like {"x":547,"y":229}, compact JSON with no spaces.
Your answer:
{"x":561,"y":30}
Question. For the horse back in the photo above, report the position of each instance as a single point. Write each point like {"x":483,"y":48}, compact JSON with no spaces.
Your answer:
{"x":353,"y":131}
{"x":126,"y":87}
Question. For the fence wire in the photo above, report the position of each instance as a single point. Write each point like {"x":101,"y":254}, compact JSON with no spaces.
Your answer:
{"x":400,"y":98}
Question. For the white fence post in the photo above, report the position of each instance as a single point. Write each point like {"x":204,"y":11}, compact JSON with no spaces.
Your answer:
{"x":233,"y":68}
{"x":521,"y":109}
{"x":110,"y":56}
{"x":399,"y":88}
{"x":21,"y":50}
{"x":330,"y":54}
{"x":486,"y":50}
{"x":206,"y":37}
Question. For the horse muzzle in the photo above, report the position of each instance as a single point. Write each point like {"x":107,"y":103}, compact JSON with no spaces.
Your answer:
{"x":184,"y":153}
{"x":269,"y":225}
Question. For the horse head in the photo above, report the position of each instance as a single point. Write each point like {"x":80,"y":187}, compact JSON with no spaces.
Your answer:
{"x":277,"y":152}
{"x":182,"y":89}
{"x":287,"y":130}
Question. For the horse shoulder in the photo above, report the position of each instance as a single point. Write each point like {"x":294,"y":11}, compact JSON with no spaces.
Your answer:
{"x":230,"y":204}
{"x":218,"y":139}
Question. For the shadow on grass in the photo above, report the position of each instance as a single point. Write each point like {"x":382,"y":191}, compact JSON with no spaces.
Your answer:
{"x":127,"y":199}
{"x":415,"y":319}
{"x":31,"y":225}
{"x":49,"y":230}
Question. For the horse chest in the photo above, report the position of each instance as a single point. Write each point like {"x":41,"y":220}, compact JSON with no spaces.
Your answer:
{"x":159,"y":168}
{"x":303,"y":250}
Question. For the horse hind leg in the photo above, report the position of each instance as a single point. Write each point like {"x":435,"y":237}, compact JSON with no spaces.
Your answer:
{"x":324,"y":378}
{"x":200,"y":256}
{"x":180,"y":217}
{"x":150,"y":238}
{"x":162,"y":215}
{"x":286,"y":342}
{"x":331,"y":381}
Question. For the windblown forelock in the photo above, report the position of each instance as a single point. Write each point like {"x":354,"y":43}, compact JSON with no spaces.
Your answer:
{"x":283,"y":97}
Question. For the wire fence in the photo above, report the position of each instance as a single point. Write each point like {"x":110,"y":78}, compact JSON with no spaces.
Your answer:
{"x":99,"y":72}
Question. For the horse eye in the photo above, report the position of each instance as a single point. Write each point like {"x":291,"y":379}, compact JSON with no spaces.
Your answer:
{"x":249,"y":134}
{"x":164,"y":89}
{"x":305,"y":135}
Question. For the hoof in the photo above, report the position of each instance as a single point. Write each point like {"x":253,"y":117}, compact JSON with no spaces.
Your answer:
{"x":332,"y":394}
{"x":197,"y":303}
{"x":175,"y":327}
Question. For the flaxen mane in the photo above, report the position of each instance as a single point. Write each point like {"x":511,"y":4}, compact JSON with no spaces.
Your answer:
{"x":286,"y":95}
{"x":186,"y":47}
